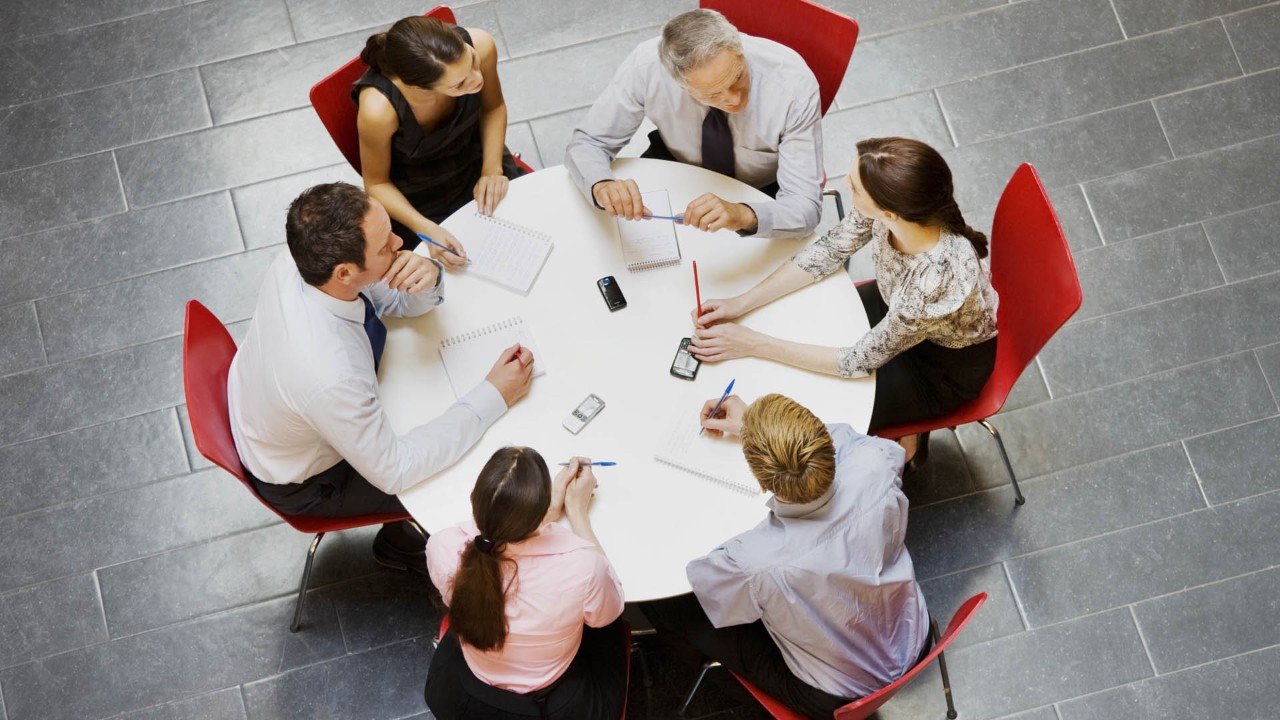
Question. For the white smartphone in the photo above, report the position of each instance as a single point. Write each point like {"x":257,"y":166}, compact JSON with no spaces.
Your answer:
{"x":582,"y":414}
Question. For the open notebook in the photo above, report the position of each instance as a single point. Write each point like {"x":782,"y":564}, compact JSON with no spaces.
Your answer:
{"x":648,"y":244}
{"x":469,"y":356}
{"x":718,"y":459}
{"x":506,"y":253}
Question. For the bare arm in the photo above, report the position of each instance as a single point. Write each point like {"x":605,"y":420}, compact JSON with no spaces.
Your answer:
{"x":786,"y":279}
{"x":492,"y":186}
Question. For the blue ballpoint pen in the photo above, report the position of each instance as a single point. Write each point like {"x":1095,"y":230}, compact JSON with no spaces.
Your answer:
{"x":676,"y":218}
{"x":601,"y":464}
{"x":723,"y":397}
{"x":446,"y":248}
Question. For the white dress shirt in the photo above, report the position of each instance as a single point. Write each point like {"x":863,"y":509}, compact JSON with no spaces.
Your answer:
{"x":303,"y":394}
{"x":831,"y":579}
{"x":776,"y":137}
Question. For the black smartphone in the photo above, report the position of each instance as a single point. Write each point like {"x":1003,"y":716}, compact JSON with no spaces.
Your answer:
{"x":685,"y":366}
{"x":611,"y":293}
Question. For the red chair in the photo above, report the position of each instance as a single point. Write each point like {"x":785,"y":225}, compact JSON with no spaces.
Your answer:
{"x":331,"y":98}
{"x":865,"y":707}
{"x":207,"y":349}
{"x":1032,"y":270}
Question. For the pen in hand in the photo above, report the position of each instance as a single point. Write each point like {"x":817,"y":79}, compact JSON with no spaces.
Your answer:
{"x":604,"y":463}
{"x":446,"y":248}
{"x":716,"y":410}
{"x":674,"y":218}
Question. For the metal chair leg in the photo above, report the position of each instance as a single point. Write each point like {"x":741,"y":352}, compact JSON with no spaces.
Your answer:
{"x":696,"y":684}
{"x":839,"y":201}
{"x":1018,"y":499}
{"x":302,"y":588}
{"x":942,"y":665}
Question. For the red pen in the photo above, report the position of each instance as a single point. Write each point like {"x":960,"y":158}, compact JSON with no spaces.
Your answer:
{"x":697,"y":293}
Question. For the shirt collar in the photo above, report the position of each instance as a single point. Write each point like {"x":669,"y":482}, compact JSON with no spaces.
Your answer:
{"x":352,"y":310}
{"x":794,"y":510}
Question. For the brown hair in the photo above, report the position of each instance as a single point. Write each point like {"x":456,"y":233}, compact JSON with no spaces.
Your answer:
{"x":415,"y":49}
{"x":324,"y":229}
{"x":788,"y":449}
{"x":910,"y":179}
{"x":509,"y":501}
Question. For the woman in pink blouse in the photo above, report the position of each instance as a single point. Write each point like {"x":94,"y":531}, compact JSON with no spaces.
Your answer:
{"x":534,"y":607}
{"x":932,"y":309}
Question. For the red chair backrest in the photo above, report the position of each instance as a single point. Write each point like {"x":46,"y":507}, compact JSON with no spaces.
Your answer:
{"x":823,"y":37}
{"x":207,"y":350}
{"x":331,"y":98}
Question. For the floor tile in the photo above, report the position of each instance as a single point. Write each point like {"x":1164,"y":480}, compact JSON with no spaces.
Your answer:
{"x":119,"y":527}
{"x":1153,"y":198}
{"x":225,"y":156}
{"x":73,"y":465}
{"x":520,"y":141}
{"x":314,"y":19}
{"x":1028,"y":390}
{"x":553,"y":132}
{"x":1242,"y":688}
{"x":1269,"y":359}
{"x":74,"y":395}
{"x":21,"y":332}
{"x":1075,"y":217}
{"x":1140,"y":17}
{"x":170,"y":664}
{"x":27,"y":18}
{"x":878,"y":17}
{"x":226,"y":573}
{"x":382,"y":608}
{"x":157,"y":43}
{"x":1223,"y":114}
{"x":1065,"y":507}
{"x":1238,"y":462}
{"x":150,"y":307}
{"x":1243,"y":242}
{"x":1111,"y":421}
{"x":914,"y":116}
{"x":1253,"y":35}
{"x":998,"y":616}
{"x":1124,"y":275}
{"x":1142,"y":562}
{"x":221,"y":705}
{"x":1067,"y":153}
{"x":382,"y":683}
{"x":262,"y":207}
{"x":1100,"y":78}
{"x":539,"y":27}
{"x":973,"y":45}
{"x":92,"y":180}
{"x":1212,"y":622}
{"x":102,"y":119}
{"x":118,"y":247}
{"x":1030,"y":669}
{"x":944,"y":476}
{"x":41,"y":620}
{"x":1169,"y":334}
{"x":581,"y":73}
{"x":197,"y":461}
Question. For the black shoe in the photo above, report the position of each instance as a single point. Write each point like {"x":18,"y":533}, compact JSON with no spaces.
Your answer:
{"x":918,"y":460}
{"x":389,"y":556}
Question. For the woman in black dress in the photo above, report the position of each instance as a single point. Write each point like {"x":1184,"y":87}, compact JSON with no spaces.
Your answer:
{"x":432,"y":125}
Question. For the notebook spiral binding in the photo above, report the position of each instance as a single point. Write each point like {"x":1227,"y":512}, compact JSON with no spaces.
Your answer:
{"x":486,"y":330}
{"x":652,"y":264}
{"x":512,"y":225}
{"x":712,"y":478}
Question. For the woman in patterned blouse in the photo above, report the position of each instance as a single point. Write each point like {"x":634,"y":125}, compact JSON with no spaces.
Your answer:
{"x":932,"y":308}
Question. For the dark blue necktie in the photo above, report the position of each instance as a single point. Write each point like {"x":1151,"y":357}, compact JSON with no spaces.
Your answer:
{"x":717,"y":143}
{"x":376,"y":331}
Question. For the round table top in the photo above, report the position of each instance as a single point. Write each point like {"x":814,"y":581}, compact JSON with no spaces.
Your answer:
{"x":651,"y":518}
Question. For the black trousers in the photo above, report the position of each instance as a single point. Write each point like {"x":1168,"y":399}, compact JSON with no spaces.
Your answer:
{"x":658,"y":151}
{"x":340,"y":491}
{"x":592,"y":688}
{"x":747,"y":650}
{"x":928,"y":380}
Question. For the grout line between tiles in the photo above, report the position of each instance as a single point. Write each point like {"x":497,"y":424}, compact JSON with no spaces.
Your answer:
{"x":1195,"y":473}
{"x":1017,"y":599}
{"x":204,"y":93}
{"x":115,"y":162}
{"x":182,"y":436}
{"x":1043,"y":378}
{"x":945,"y":120}
{"x":102,"y":603}
{"x":44,"y":351}
{"x":1164,"y":132}
{"x":1214,"y":252}
{"x":288,"y":16}
{"x":1092,"y":215}
{"x":1124,"y":33}
{"x":1056,"y":712}
{"x":1143,"y":639}
{"x":235,"y":212}
{"x":244,"y":704}
{"x":1232,"y":44}
{"x":1267,"y":380}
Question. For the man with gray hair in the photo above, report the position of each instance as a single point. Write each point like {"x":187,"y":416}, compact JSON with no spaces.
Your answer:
{"x":743,"y":106}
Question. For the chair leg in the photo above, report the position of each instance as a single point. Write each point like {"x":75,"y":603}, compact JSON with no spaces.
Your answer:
{"x":418,"y":528}
{"x":302,"y":588}
{"x":696,"y":684}
{"x":839,"y":201}
{"x":942,"y":666}
{"x":1018,"y":499}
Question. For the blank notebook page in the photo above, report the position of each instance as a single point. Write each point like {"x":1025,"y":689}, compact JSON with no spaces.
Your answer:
{"x":469,"y":356}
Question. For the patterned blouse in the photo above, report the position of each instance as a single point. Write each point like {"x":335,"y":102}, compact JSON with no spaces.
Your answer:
{"x":943,"y":295}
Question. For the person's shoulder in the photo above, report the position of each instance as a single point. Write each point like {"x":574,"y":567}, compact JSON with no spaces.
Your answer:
{"x":374,"y":109}
{"x":482,"y":40}
{"x":785,"y":64}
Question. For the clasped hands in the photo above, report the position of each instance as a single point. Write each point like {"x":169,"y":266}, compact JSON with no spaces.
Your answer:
{"x":707,"y":212}
{"x":572,"y":490}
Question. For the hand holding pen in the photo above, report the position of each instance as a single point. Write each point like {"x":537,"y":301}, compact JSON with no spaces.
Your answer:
{"x":723,"y":416}
{"x":714,"y":412}
{"x":455,"y":261}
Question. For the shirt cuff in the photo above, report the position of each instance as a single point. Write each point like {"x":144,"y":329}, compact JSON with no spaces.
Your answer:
{"x":764,"y":218}
{"x":486,"y":401}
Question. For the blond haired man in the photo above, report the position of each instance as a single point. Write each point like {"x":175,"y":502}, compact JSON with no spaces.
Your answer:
{"x":818,"y":604}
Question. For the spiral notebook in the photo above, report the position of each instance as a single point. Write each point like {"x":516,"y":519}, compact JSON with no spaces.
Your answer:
{"x":506,"y":253}
{"x":717,"y":459}
{"x":648,"y":244}
{"x":469,"y":356}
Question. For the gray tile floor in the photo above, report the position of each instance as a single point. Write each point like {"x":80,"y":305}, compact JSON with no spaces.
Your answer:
{"x":148,"y":148}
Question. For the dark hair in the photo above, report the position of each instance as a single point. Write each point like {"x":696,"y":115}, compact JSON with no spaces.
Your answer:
{"x":323,"y":229}
{"x":415,"y":49}
{"x":509,"y":501}
{"x":909,"y":178}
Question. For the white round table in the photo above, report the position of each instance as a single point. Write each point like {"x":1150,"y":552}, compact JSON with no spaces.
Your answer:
{"x":651,"y":518}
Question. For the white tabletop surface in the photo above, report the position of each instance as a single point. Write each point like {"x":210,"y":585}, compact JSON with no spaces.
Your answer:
{"x":651,"y":518}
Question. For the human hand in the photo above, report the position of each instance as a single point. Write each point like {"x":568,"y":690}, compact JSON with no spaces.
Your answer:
{"x":489,"y":191}
{"x":512,"y":374}
{"x":580,"y":488}
{"x":725,"y":341}
{"x":620,"y":198}
{"x":411,"y":273}
{"x":558,"y":487}
{"x":727,"y":420}
{"x":716,"y":311}
{"x":710,"y":213}
{"x":446,"y":238}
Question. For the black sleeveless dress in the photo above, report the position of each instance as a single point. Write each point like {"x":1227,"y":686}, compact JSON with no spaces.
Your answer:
{"x":437,"y":170}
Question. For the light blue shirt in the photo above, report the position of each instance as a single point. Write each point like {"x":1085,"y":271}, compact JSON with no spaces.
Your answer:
{"x":831,"y":579}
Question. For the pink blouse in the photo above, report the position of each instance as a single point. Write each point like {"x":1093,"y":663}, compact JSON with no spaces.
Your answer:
{"x":560,"y":583}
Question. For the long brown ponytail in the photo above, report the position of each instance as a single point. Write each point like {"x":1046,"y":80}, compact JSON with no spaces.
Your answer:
{"x":509,"y":501}
{"x":910,"y":179}
{"x":415,"y":49}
